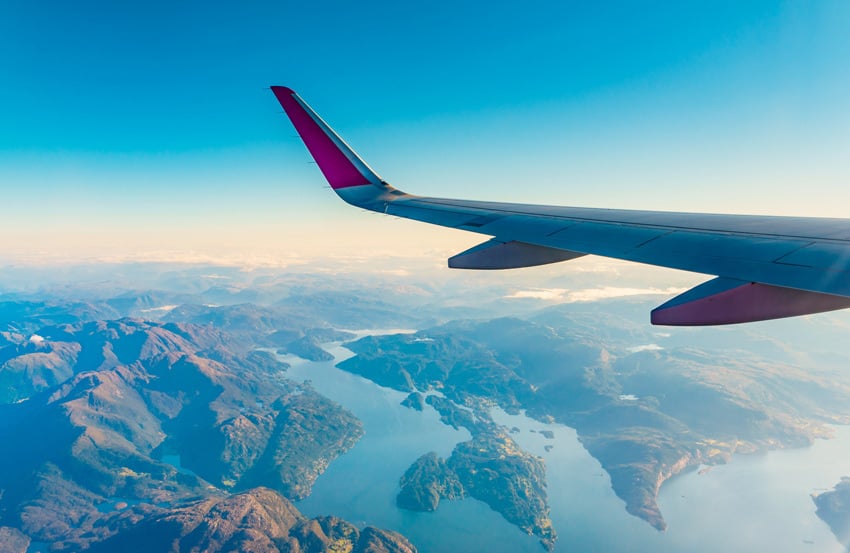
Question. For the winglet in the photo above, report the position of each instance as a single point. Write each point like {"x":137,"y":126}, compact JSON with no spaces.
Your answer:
{"x":344,"y":170}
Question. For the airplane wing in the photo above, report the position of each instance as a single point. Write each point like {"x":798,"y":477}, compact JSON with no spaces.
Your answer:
{"x":766,"y":267}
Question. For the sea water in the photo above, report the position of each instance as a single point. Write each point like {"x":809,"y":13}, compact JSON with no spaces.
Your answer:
{"x":755,"y":503}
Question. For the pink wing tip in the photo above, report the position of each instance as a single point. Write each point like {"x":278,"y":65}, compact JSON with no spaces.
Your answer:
{"x":338,"y":169}
{"x":282,"y":91}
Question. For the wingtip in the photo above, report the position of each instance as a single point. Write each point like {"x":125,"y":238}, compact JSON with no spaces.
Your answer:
{"x":282,"y":90}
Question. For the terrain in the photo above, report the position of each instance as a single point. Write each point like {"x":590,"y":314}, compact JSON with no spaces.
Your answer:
{"x":258,"y":520}
{"x":645,"y":412}
{"x":109,"y":414}
{"x":164,"y":413}
{"x":490,"y":467}
{"x":833,"y":507}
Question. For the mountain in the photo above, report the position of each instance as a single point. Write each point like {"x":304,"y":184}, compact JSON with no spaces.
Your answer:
{"x":267,"y":327}
{"x":355,"y":310}
{"x":246,"y":322}
{"x":133,"y":412}
{"x":24,"y":317}
{"x":149,"y":303}
{"x":257,"y":520}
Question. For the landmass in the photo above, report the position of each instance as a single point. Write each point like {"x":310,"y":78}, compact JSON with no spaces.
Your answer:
{"x":255,"y":520}
{"x":456,"y":416}
{"x":414,"y":400}
{"x":119,"y":421}
{"x":428,"y":480}
{"x":13,"y":540}
{"x":689,"y":408}
{"x":511,"y":481}
{"x":309,"y":344}
{"x":107,"y":402}
{"x":308,"y":348}
{"x":490,"y":467}
{"x":833,"y":507}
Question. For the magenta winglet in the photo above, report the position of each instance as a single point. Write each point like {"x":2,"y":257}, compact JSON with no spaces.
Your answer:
{"x":338,"y":169}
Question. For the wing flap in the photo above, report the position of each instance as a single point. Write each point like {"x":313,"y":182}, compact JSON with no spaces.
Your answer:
{"x":494,"y":254}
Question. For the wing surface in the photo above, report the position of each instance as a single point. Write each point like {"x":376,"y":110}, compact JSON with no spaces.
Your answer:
{"x":768,"y":266}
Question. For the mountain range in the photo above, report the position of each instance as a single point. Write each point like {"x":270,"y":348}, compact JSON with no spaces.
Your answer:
{"x":108,"y":416}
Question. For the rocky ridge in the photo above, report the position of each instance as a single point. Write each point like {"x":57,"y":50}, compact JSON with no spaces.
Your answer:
{"x":132,"y":412}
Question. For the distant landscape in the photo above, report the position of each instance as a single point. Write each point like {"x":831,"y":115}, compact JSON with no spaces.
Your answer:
{"x":151,"y":405}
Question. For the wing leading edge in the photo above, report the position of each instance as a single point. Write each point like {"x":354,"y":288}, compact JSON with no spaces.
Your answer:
{"x":767,"y":267}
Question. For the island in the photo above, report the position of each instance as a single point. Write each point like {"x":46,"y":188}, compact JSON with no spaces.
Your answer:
{"x":490,"y":467}
{"x":833,"y":507}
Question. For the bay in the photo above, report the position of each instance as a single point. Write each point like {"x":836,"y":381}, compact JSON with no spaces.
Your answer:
{"x":756,"y":502}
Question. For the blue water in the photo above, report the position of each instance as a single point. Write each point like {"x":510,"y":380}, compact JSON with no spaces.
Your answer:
{"x":755,"y":503}
{"x":174,"y":461}
{"x":361,"y":486}
{"x":112,"y":503}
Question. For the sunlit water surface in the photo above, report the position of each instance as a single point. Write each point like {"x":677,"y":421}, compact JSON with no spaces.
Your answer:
{"x":755,"y":503}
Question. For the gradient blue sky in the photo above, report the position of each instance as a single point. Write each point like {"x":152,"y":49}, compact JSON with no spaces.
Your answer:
{"x":148,"y":128}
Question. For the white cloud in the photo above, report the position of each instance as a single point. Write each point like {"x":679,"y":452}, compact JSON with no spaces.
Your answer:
{"x":645,"y":347}
{"x":591,"y":294}
{"x":394,"y":272}
{"x":245,"y":261}
{"x":162,"y":308}
{"x":539,"y":294}
{"x":608,"y":292}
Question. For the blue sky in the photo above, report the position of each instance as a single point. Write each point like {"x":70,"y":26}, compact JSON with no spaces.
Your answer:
{"x":149,"y":126}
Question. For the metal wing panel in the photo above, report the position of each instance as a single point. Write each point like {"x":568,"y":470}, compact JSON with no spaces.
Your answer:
{"x":822,"y":255}
{"x":519,"y":227}
{"x":455,"y":218}
{"x":815,"y":228}
{"x":774,"y":250}
{"x":609,"y":239}
{"x":722,"y":246}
